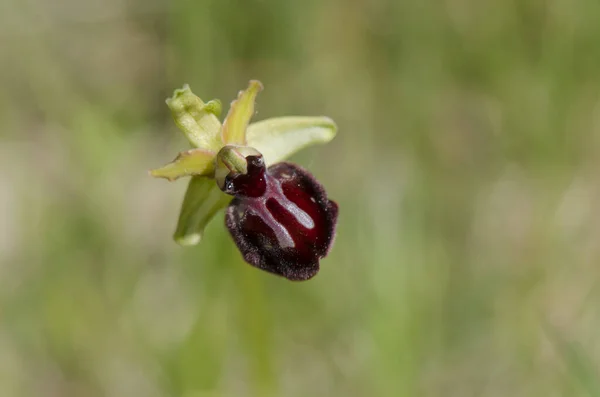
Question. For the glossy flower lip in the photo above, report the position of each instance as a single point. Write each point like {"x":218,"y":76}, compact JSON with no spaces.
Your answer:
{"x":280,"y":219}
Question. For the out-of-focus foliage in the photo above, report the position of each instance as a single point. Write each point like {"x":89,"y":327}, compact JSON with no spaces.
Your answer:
{"x":466,"y":168}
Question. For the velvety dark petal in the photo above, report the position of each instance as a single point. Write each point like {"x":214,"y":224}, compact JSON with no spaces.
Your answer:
{"x":289,"y":228}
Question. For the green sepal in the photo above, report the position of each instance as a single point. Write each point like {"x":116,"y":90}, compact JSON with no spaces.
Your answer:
{"x":203,"y":199}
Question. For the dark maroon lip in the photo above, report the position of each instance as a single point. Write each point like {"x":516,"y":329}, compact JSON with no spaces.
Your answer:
{"x":280,"y":219}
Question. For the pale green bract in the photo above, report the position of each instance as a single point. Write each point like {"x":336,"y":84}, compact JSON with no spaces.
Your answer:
{"x":276,"y":138}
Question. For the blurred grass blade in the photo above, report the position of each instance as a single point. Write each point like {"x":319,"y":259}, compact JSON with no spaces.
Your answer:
{"x":202,"y":200}
{"x":197,"y":120}
{"x":188,"y":163}
{"x":240,"y":114}
{"x":578,"y":364}
{"x":280,"y":137}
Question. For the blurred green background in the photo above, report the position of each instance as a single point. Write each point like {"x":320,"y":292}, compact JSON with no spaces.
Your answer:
{"x":465,"y":167}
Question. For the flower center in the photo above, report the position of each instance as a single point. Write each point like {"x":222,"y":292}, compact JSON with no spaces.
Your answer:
{"x":251,"y":184}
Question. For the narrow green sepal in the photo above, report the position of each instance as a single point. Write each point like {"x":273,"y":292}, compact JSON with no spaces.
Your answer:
{"x":239,"y":115}
{"x":203,"y":199}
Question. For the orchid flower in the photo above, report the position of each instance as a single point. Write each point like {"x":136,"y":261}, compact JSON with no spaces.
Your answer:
{"x":277,"y":213}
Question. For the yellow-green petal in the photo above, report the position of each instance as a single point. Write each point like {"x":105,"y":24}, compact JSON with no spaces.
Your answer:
{"x":203,"y":199}
{"x":188,"y":163}
{"x":240,"y":113}
{"x":197,"y":120}
{"x":280,"y":137}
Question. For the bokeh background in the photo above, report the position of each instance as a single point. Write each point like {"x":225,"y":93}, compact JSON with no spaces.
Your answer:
{"x":465,"y":167}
